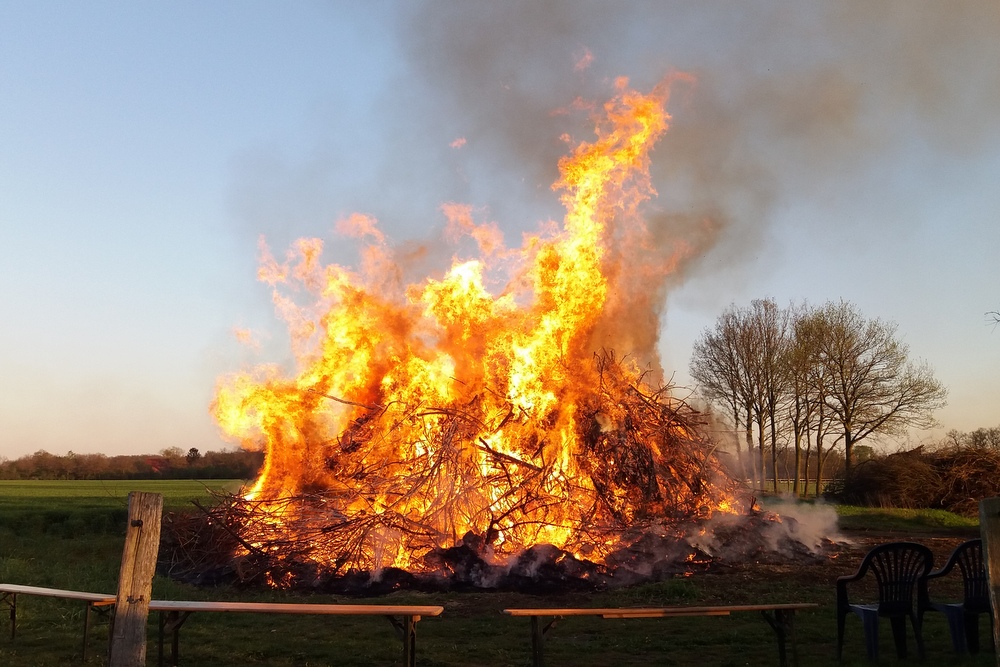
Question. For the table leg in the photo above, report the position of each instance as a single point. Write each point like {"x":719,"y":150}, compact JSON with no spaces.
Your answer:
{"x":407,"y":629}
{"x":409,"y":641}
{"x":171,"y":621}
{"x":86,"y":630}
{"x":538,"y":632}
{"x":175,"y":638}
{"x":537,"y":643}
{"x":11,"y":600}
{"x":783,"y":625}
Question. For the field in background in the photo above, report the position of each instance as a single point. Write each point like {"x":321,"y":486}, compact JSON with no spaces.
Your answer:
{"x":70,"y":535}
{"x":59,"y":494}
{"x":81,"y":507}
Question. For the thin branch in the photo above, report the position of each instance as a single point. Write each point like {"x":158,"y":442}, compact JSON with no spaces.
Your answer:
{"x":346,"y":402}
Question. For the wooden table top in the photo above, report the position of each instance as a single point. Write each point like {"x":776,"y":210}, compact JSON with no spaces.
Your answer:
{"x":103,"y":598}
{"x":296,"y":608}
{"x":654,"y":612}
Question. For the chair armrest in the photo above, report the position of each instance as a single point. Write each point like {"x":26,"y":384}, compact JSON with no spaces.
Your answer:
{"x":862,"y":571}
{"x":848,"y":578}
{"x":924,"y":602}
{"x":842,"y":601}
{"x":923,"y":590}
{"x":945,"y":569}
{"x":923,"y":595}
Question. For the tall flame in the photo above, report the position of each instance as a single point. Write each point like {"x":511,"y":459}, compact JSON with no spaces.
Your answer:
{"x":439,"y":408}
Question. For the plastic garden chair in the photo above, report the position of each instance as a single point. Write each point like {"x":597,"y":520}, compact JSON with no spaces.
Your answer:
{"x":963,"y":617}
{"x":900,"y":570}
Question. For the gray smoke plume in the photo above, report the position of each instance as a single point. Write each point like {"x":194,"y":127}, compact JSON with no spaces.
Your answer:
{"x":786,"y":98}
{"x":780,"y":99}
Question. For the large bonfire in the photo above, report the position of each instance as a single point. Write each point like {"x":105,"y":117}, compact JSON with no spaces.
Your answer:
{"x":486,"y":408}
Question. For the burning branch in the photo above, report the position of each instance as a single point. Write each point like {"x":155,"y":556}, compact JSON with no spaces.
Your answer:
{"x":346,"y":402}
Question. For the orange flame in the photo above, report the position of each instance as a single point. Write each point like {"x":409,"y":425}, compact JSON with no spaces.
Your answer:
{"x":388,"y":373}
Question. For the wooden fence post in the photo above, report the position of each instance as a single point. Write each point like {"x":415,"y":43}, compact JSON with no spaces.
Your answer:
{"x":989,"y":527}
{"x":135,"y":580}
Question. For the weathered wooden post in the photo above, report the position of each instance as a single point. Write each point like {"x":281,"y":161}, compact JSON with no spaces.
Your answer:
{"x":135,"y":580}
{"x":989,"y":527}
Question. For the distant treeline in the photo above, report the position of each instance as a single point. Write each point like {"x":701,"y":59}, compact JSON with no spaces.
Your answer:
{"x":173,"y":463}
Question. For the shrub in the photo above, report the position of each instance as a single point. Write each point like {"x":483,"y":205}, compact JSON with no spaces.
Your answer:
{"x":953,"y":479}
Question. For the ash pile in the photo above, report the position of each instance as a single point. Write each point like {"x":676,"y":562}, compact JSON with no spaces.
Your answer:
{"x":612,"y":486}
{"x":194,"y":552}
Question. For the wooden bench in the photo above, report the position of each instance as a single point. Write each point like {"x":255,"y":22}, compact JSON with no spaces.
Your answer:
{"x":778,"y":616}
{"x":403,"y":618}
{"x":91,"y":601}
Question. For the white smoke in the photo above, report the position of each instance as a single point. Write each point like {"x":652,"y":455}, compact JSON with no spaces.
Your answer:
{"x":810,"y":524}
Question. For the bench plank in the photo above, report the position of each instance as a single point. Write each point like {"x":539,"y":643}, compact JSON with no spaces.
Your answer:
{"x":96,"y":598}
{"x":173,"y":613}
{"x":778,"y":616}
{"x":92,"y":602}
{"x":650,"y":612}
{"x":295,"y":608}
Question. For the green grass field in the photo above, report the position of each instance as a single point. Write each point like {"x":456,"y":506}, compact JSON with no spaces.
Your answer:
{"x":78,"y":508}
{"x":105,"y":494}
{"x":70,"y":535}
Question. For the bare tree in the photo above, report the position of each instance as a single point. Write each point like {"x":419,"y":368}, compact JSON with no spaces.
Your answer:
{"x":810,"y":382}
{"x":718,"y":368}
{"x":767,"y":340}
{"x":737,"y":365}
{"x":985,"y":437}
{"x":871,"y":387}
{"x":981,"y":438}
{"x":797,"y":366}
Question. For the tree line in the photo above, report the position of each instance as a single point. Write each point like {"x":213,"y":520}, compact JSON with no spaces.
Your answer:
{"x":171,"y":463}
{"x":815,"y":377}
{"x":981,"y":438}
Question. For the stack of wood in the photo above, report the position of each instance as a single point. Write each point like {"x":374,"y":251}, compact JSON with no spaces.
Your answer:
{"x":955,"y":479}
{"x":639,"y":466}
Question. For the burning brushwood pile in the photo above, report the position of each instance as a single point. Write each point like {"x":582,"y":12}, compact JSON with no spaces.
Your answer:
{"x":474,"y":427}
{"x":469,"y":514}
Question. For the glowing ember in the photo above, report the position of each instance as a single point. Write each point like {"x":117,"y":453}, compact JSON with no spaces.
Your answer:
{"x":428,"y":413}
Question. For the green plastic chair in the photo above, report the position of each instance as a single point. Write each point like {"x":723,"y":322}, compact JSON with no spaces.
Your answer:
{"x":900,"y":570}
{"x":963,"y":617}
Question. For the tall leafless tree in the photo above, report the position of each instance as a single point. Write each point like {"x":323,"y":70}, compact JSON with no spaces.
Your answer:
{"x":809,"y":333}
{"x":872,"y":386}
{"x":797,"y":366}
{"x":737,"y":365}
{"x":717,"y":366}
{"x":767,"y":332}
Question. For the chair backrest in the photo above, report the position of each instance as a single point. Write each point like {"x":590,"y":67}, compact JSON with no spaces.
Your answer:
{"x":898,"y":567}
{"x":969,"y":558}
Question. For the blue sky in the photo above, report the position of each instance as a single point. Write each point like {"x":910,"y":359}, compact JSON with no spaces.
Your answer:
{"x":841,"y":151}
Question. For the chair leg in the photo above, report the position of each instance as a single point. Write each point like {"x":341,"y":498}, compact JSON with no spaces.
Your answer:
{"x":957,"y":628}
{"x":841,"y":618}
{"x":870,"y":623}
{"x":918,"y":633}
{"x":899,"y":634}
{"x":972,"y":632}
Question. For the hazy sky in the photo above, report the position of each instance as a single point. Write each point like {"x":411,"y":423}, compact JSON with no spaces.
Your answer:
{"x":821,"y":151}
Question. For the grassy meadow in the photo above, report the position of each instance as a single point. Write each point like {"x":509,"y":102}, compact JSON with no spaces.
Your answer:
{"x":70,"y":535}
